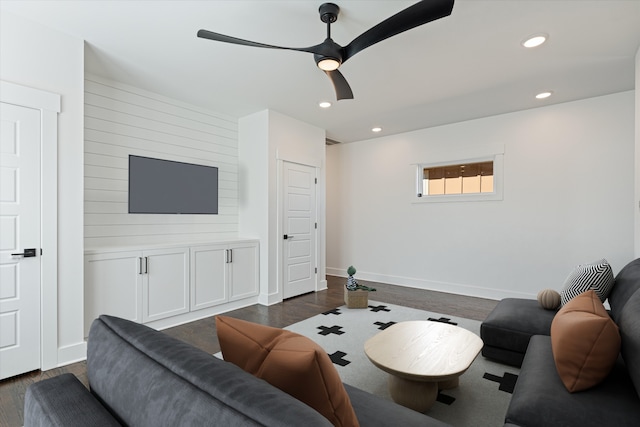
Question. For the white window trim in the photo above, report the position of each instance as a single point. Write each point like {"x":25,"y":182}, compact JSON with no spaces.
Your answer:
{"x":498,"y":180}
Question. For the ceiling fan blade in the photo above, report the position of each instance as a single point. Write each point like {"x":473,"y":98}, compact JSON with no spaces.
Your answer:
{"x":343,"y":90}
{"x":411,"y":17}
{"x":205,"y":34}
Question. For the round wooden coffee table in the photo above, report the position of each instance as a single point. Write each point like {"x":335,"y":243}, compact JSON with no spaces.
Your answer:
{"x":421,"y":357}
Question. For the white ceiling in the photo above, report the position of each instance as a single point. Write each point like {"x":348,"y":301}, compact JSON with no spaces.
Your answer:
{"x":464,"y":66}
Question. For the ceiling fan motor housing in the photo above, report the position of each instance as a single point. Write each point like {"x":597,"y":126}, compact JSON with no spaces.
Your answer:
{"x":329,"y":12}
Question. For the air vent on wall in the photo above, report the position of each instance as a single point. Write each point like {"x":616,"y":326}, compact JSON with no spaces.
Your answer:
{"x":331,"y":141}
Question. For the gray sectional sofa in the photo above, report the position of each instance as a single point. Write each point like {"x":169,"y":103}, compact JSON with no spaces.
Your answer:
{"x":142,"y":377}
{"x":520,"y":328}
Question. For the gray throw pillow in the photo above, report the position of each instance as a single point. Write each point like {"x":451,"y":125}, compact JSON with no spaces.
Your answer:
{"x":596,"y":275}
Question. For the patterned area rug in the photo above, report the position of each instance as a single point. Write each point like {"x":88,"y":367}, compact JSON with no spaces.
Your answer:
{"x":485,"y":388}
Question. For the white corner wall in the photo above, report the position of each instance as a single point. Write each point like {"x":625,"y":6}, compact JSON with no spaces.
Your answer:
{"x":266,"y":139}
{"x":38,"y":57}
{"x":253,"y":190}
{"x":568,"y":199}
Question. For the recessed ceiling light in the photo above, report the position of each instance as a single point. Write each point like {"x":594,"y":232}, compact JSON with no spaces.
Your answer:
{"x":324,"y":104}
{"x":544,"y":95}
{"x":535,"y":40}
{"x":376,"y":129}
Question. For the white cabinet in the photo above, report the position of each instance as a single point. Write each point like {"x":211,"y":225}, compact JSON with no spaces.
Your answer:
{"x":243,"y":276}
{"x":165,"y":283}
{"x":149,"y":284}
{"x":137,"y":285}
{"x":222,"y":273}
{"x":112,"y":286}
{"x":208,"y":276}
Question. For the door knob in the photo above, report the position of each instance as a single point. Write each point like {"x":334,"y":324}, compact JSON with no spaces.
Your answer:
{"x":28,"y":253}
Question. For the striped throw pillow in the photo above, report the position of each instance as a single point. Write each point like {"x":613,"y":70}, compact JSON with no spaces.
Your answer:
{"x":596,"y":275}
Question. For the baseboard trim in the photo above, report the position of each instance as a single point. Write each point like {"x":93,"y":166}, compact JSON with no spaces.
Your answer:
{"x":72,"y":353}
{"x":431,"y":285}
{"x":270,"y":299}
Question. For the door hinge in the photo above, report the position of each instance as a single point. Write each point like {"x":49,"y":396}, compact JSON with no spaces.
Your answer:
{"x":316,"y":225}
{"x":316,"y":270}
{"x":316,"y":180}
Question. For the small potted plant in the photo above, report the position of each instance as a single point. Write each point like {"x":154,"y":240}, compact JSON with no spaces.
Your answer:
{"x":355,"y":295}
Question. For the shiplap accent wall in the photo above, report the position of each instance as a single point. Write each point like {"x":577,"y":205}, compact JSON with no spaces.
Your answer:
{"x":121,"y":120}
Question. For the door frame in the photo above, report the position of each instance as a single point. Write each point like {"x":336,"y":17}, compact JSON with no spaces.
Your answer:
{"x":49,"y":106}
{"x":281,"y":227}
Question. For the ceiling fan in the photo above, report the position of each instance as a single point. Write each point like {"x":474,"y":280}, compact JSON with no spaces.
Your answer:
{"x":329,"y":55}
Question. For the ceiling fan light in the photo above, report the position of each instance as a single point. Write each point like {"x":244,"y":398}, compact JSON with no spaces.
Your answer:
{"x":328,"y":64}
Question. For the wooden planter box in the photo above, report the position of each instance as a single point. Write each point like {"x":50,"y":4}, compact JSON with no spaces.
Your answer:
{"x":356,"y":299}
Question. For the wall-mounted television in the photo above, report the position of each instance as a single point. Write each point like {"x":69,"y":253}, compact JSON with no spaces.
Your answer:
{"x":159,"y":186}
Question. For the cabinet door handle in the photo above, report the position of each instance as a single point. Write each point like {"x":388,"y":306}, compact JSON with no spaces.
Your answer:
{"x":139,"y":265}
{"x":230,"y":256}
{"x":146,"y":265}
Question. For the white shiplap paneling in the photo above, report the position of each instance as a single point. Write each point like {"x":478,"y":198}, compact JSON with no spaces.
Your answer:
{"x":121,"y":120}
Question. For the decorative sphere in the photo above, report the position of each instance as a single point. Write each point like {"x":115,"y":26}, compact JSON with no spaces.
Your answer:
{"x":549,"y":299}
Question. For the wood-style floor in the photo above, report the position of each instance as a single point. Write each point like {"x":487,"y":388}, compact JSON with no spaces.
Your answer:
{"x":202,"y":333}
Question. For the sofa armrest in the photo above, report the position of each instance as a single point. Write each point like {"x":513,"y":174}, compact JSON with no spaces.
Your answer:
{"x":64,"y":401}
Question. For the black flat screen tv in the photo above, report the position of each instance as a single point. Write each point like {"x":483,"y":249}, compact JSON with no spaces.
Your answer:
{"x":159,"y":186}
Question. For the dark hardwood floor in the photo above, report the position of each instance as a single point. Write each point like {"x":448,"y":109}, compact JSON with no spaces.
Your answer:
{"x":202,"y":333}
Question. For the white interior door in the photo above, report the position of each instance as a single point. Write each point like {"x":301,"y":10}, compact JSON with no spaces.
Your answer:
{"x":19,"y":240}
{"x":299,"y":224}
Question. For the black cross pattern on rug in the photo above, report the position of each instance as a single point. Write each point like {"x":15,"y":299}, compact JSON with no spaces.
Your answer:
{"x":443,"y":320}
{"x":338,"y":358}
{"x":383,"y":326}
{"x":335,"y":311}
{"x":443,"y":398}
{"x":378,"y":308}
{"x":335,"y":329}
{"x":507,"y":381}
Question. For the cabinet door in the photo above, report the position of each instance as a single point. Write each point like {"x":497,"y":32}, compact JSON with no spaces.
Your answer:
{"x":208,"y":276}
{"x":113,"y":285}
{"x":165,"y":285}
{"x":243,"y":271}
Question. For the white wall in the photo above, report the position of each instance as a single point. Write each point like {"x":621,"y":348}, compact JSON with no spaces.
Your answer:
{"x":266,"y":140}
{"x":253,"y":190}
{"x":122,"y":120}
{"x":568,"y":199}
{"x":38,"y":57}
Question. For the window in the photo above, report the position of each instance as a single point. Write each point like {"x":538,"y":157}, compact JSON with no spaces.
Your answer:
{"x":462,"y":180}
{"x":467,"y":178}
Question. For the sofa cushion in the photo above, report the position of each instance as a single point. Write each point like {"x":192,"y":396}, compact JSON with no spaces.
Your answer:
{"x":585,"y":342}
{"x":507,"y":329}
{"x":629,"y":325}
{"x":289,"y":361}
{"x":540,"y":398}
{"x":596,"y":275}
{"x":627,"y":284}
{"x":374,"y":411}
